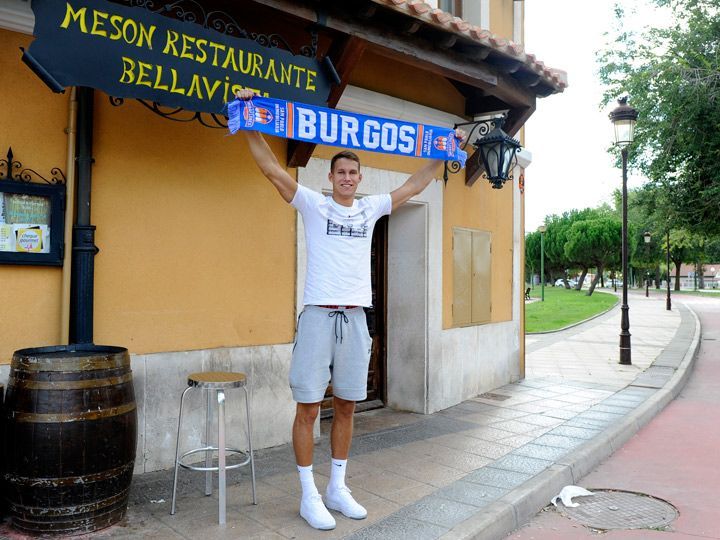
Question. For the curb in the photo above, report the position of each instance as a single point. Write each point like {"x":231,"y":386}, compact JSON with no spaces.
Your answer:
{"x":519,"y":506}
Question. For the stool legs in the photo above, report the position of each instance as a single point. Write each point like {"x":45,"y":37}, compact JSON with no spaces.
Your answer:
{"x":221,"y":454}
{"x":177,"y":450}
{"x":250,"y":448}
{"x":221,"y":449}
{"x":208,"y":444}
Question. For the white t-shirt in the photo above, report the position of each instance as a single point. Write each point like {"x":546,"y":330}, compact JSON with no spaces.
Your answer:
{"x":338,"y":240}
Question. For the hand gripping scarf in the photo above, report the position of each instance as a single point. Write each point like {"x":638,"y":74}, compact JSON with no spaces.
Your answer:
{"x":319,"y":125}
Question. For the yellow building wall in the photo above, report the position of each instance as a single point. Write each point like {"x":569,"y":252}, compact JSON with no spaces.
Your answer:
{"x":197,"y":250}
{"x":32,"y":120}
{"x":501,"y":18}
{"x":488,"y":209}
{"x":387,"y":76}
{"x":197,"y":247}
{"x":479,"y":206}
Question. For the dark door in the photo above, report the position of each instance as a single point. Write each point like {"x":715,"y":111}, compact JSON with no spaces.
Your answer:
{"x":376,"y":321}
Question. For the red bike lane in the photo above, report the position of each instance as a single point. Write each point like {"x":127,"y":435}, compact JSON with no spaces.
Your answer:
{"x":676,"y":457}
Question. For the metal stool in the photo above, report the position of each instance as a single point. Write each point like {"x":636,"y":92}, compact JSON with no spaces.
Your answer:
{"x":219,"y":381}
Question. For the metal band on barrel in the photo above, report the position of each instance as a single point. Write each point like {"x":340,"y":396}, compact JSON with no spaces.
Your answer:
{"x":70,"y":480}
{"x":69,"y":385}
{"x":40,"y":418}
{"x":72,"y":364}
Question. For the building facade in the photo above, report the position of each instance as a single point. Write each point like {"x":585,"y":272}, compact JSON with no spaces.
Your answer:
{"x":201,"y":264}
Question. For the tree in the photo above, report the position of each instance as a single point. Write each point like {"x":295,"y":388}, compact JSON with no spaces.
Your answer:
{"x":673,"y":78}
{"x":556,"y":238}
{"x":681,"y":250}
{"x":595,"y":241}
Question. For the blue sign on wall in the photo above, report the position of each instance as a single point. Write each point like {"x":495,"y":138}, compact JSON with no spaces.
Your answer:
{"x":131,"y":52}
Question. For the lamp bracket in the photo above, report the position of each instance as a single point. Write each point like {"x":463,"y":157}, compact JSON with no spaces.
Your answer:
{"x":479,"y":128}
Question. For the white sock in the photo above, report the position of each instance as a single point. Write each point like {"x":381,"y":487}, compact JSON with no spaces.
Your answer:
{"x":307,"y":481}
{"x":337,"y":474}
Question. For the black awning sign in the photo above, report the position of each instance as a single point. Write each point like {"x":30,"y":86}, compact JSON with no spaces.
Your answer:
{"x":133,"y":53}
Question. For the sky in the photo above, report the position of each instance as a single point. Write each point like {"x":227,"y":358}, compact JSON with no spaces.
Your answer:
{"x":568,"y":135}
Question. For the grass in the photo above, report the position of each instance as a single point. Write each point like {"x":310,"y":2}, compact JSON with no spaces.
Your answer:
{"x":563,"y":307}
{"x":708,"y":293}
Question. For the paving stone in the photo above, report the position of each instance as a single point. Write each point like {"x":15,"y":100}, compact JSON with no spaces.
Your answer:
{"x":520,"y":463}
{"x":590,"y":423}
{"x":477,"y":495}
{"x":561,"y":413}
{"x":577,"y":432}
{"x":497,"y":478}
{"x":539,"y":451}
{"x":598,"y":415}
{"x":515,"y":426}
{"x":617,"y":409}
{"x":399,"y":528}
{"x":541,"y":420}
{"x":559,"y":441}
{"x":438,"y":511}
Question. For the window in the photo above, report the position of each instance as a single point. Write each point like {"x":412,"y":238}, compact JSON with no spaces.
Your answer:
{"x":472,"y":257}
{"x":31,"y":223}
{"x":451,"y":6}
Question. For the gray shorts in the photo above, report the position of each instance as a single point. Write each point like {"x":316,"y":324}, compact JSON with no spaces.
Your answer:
{"x":330,"y":344}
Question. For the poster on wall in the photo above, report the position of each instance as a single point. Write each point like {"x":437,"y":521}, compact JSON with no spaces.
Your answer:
{"x":32,"y":222}
{"x":24,"y":223}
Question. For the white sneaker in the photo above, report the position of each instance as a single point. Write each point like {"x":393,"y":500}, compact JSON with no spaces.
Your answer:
{"x":314,"y":512}
{"x":340,"y":499}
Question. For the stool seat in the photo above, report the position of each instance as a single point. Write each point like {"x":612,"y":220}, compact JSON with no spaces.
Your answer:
{"x":217,"y":379}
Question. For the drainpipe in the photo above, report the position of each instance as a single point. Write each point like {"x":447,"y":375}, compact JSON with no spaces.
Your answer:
{"x":71,"y":131}
{"x":84,"y":249}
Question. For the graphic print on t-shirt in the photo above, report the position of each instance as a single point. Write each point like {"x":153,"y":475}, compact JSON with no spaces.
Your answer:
{"x":335,"y":229}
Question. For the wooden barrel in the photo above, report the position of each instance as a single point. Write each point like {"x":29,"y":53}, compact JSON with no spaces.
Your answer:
{"x":71,"y":431}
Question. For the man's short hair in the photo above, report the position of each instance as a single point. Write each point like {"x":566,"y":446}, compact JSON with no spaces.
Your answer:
{"x":346,"y":154}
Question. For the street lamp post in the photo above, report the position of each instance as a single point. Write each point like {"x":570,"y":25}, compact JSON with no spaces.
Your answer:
{"x":623,"y":118}
{"x":668,"y":302}
{"x":646,"y":237}
{"x":541,"y":230}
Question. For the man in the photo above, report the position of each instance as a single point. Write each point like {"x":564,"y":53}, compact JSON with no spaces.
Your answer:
{"x":332,"y":340}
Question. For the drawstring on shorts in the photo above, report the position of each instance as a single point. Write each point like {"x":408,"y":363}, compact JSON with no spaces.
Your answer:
{"x":340,"y":318}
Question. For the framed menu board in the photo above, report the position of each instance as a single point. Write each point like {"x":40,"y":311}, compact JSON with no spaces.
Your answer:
{"x":32,"y":223}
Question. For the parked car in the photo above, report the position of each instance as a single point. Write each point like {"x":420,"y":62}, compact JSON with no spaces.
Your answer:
{"x":571,"y":282}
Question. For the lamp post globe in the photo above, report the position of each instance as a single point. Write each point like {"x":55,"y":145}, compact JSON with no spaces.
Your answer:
{"x":497,"y":150}
{"x":624,"y":118}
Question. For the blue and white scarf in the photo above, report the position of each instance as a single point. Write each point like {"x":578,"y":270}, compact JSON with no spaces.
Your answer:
{"x":320,"y":125}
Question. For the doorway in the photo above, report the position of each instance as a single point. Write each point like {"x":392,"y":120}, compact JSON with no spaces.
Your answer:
{"x":377,"y":327}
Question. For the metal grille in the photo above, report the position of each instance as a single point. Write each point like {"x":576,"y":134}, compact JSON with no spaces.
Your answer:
{"x":621,"y":510}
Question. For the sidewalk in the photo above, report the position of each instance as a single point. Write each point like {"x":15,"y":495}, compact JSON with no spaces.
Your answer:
{"x":662,"y":483}
{"x":477,"y":470}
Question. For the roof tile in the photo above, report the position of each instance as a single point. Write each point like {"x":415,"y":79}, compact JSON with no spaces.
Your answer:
{"x":419,"y":9}
{"x":443,"y":17}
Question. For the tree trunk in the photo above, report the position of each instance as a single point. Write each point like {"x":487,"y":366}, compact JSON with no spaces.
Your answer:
{"x":677,"y":276}
{"x":700,"y":272}
{"x":594,"y":281}
{"x":581,"y":279}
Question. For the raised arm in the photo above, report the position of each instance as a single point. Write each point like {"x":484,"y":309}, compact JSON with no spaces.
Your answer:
{"x":415,"y":184}
{"x":420,"y":179}
{"x":267,"y":161}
